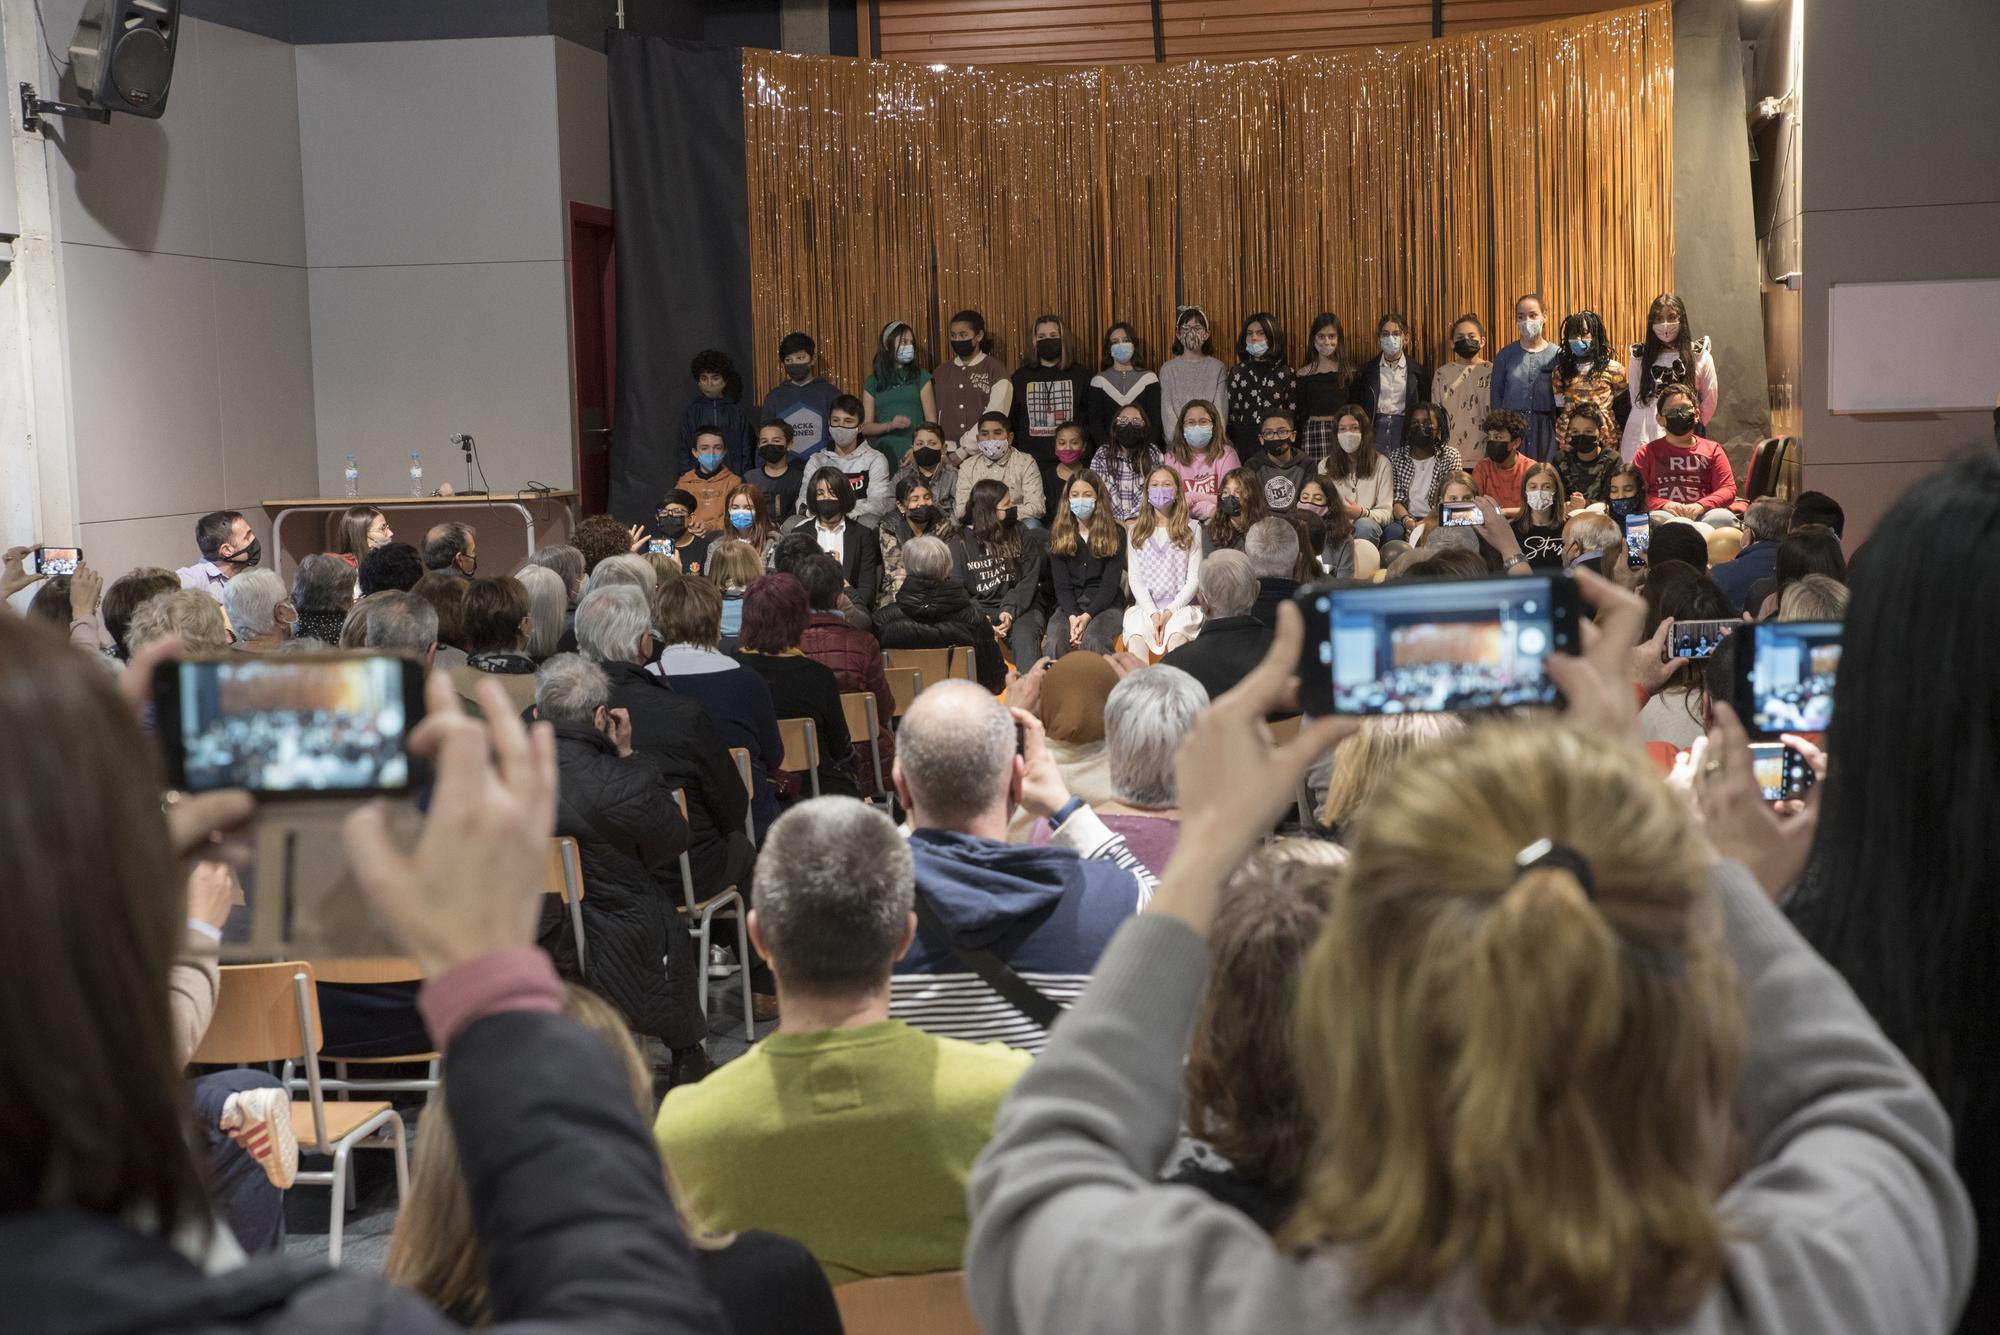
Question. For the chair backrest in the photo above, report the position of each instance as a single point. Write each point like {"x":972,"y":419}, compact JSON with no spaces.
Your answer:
{"x":257,"y":1015}
{"x":741,"y":755}
{"x":520,"y":686}
{"x":681,"y":801}
{"x":906,"y":1305}
{"x":801,"y":738}
{"x":1768,"y":460}
{"x":934,"y":664}
{"x":367,"y":969}
{"x":565,"y":873}
{"x":858,"y":707}
{"x":963,"y":664}
{"x":904,"y":684}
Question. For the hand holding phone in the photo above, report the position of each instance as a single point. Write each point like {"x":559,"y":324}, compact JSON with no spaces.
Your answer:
{"x":1785,"y":676}
{"x":1782,"y":773}
{"x":1638,"y":539}
{"x":1459,"y":514}
{"x":57,"y":560}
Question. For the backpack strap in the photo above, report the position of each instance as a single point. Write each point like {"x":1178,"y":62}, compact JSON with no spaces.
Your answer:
{"x":1015,"y":990}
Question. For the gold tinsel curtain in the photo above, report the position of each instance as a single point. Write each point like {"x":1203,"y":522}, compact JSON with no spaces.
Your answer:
{"x":1431,"y":179}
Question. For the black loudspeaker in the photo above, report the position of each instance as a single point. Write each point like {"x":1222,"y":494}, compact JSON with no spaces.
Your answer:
{"x":123,"y":54}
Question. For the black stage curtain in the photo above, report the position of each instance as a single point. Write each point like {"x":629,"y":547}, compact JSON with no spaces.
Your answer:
{"x":683,"y":281}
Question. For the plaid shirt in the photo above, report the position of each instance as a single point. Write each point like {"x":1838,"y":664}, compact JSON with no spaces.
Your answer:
{"x":1127,"y":486}
{"x":1405,"y":470}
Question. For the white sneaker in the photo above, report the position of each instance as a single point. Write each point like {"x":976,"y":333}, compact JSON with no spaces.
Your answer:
{"x":260,"y":1120}
{"x":721,"y":961}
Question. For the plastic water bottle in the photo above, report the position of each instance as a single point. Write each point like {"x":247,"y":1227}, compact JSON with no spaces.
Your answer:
{"x":416,"y":474}
{"x":353,"y":476}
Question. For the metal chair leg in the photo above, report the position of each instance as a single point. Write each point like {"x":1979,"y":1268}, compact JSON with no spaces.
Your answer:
{"x":336,"y":1205}
{"x":743,"y":973}
{"x":701,"y":951}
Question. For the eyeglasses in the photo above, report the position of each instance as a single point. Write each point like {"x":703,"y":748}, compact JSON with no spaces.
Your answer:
{"x":1275,"y":435}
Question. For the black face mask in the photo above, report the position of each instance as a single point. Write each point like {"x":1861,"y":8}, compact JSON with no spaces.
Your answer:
{"x":922,"y":514}
{"x":1421,"y":438}
{"x":772,"y":454}
{"x":1465,"y":347}
{"x":1048,"y":349}
{"x":926,"y":457}
{"x":1127,"y":436}
{"x":1497,"y":450}
{"x":800,"y":372}
{"x":250,"y":555}
{"x":826,"y":507}
{"x":1679,"y":421}
{"x":1277,"y":449}
{"x":672,"y":526}
{"x":963,"y":347}
{"x":1229,"y":507}
{"x":1585,"y":446}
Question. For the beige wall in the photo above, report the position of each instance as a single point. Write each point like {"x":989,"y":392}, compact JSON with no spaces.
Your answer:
{"x":1899,"y":184}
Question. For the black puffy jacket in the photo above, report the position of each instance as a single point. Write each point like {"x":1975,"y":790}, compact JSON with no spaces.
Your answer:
{"x":622,"y":815}
{"x":678,"y":736}
{"x":936,"y":613}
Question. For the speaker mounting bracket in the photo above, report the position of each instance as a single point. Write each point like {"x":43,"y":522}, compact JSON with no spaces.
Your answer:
{"x":33,"y":108}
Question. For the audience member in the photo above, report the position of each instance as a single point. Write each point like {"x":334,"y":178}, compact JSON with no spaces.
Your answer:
{"x":452,"y":547}
{"x":1816,"y":507}
{"x":1765,"y":524}
{"x":1146,"y":715}
{"x":102,"y":1207}
{"x":446,"y":595}
{"x":1809,"y":549}
{"x":181,"y":612}
{"x":363,"y":529}
{"x":621,"y":812}
{"x":854,"y":655}
{"x":322,"y":591}
{"x":1564,"y":968}
{"x":354,"y":626}
{"x":767,"y":1285}
{"x":732,"y":565}
{"x":228,"y":547}
{"x":626,"y":568}
{"x":614,"y":629}
{"x":1813,"y":598}
{"x":1379,"y":748}
{"x":497,"y":624}
{"x":1245,"y":1110}
{"x":126,"y":594}
{"x":1009,"y":933}
{"x":51,"y":603}
{"x":260,"y":611}
{"x":395,"y":565}
{"x":548,"y":606}
{"x":1232,"y":641}
{"x":403,"y":623}
{"x":688,"y":617}
{"x":568,"y":562}
{"x":775,"y":612}
{"x":1592,"y":538}
{"x":1898,"y":889}
{"x":1677,"y":713}
{"x":1673,"y":541}
{"x":1272,"y":548}
{"x":846,"y":1129}
{"x":598,"y":539}
{"x":933,"y":611}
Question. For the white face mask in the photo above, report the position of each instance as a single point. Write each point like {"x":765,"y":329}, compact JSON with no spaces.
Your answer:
{"x":1667,"y":330}
{"x":1121,"y":353}
{"x":843,"y":436}
{"x":993,"y":449}
{"x":1539,"y":499}
{"x":1350,"y":441}
{"x":1531,"y":328}
{"x":1256,"y":347}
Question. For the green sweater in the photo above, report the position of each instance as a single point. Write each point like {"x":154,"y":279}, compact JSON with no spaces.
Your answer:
{"x":857,"y":1142}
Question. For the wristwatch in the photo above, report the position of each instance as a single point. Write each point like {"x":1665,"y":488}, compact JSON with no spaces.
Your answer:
{"x":1515,"y":560}
{"x":1063,"y":813}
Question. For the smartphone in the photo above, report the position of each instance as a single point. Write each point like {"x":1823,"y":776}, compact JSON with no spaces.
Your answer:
{"x":1785,"y":672}
{"x":57,"y":560}
{"x":660,"y":546}
{"x":1782,"y":773}
{"x":1697,"y":639}
{"x":1638,"y":539}
{"x":1460,"y":514}
{"x":1435,"y":646}
{"x":291,"y":726}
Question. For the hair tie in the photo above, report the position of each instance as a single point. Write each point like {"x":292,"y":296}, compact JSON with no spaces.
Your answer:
{"x":1546,"y":852}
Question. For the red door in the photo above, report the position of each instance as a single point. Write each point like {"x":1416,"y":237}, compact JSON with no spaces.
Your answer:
{"x":593,"y":350}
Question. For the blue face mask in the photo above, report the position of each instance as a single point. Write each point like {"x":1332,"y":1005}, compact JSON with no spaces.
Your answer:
{"x":1198,"y":434}
{"x":1392,"y":344}
{"x":1629,"y":505}
{"x":906,"y":354}
{"x":1083,"y":507}
{"x":742,"y":518}
{"x":709,"y":461}
{"x":1579,"y":347}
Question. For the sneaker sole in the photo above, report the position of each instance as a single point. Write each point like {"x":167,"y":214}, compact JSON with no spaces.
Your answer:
{"x":266,"y":1134}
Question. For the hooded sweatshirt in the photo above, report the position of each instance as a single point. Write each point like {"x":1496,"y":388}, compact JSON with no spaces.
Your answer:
{"x":1047,"y":912}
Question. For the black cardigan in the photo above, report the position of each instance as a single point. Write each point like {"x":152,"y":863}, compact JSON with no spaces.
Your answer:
{"x":1087,"y":583}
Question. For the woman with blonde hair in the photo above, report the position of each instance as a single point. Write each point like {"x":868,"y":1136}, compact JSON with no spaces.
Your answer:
{"x":1163,"y":568}
{"x":732,"y":564}
{"x":766,"y":1283}
{"x":1537,"y":1100}
{"x":1379,"y":748}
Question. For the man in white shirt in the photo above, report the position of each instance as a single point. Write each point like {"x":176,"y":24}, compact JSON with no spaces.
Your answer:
{"x":228,"y":548}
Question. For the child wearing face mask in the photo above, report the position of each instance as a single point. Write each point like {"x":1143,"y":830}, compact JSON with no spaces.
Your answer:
{"x":898,"y":395}
{"x":1280,"y":466}
{"x":1325,"y":382}
{"x":1670,"y":355}
{"x":929,"y":462}
{"x":1049,"y":389}
{"x":1125,"y":459}
{"x":997,"y":460}
{"x":1072,"y":450}
{"x":1262,"y":381}
{"x":1192,"y":374}
{"x":1424,"y":465}
{"x":778,"y":472}
{"x":1586,"y":465}
{"x":866,"y":467}
{"x":1586,"y":372}
{"x":1086,"y":571}
{"x":1122,"y":381}
{"x":969,"y":382}
{"x":1163,"y":569}
{"x":1540,"y":527}
{"x":1521,"y":381}
{"x":717,"y":404}
{"x":1392,"y":382}
{"x":803,"y":398}
{"x":1202,"y":455}
{"x":710,"y":481}
{"x":1464,"y":385}
{"x":1361,"y":481}
{"x":1502,"y":470}
{"x":1686,"y":474}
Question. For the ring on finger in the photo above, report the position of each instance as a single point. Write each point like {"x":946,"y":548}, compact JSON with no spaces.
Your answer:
{"x":1712,"y":767}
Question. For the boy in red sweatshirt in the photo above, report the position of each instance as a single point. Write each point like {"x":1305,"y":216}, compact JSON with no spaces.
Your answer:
{"x":1686,"y":474}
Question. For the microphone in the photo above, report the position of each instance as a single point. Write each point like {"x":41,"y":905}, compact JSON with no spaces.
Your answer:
{"x":471,"y":451}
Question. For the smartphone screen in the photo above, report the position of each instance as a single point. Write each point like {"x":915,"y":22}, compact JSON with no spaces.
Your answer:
{"x":1460,"y":514}
{"x":660,"y":546}
{"x":1697,"y":639}
{"x":1436,"y":646}
{"x":292,"y":725}
{"x":1638,"y":539}
{"x":1785,"y":672}
{"x":57,"y":560}
{"x":1781,"y":772}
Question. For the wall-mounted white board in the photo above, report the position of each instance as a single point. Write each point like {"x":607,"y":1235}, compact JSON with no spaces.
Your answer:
{"x":1913,"y":347}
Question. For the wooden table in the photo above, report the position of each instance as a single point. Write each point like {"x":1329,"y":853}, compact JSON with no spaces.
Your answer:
{"x":510,"y":524}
